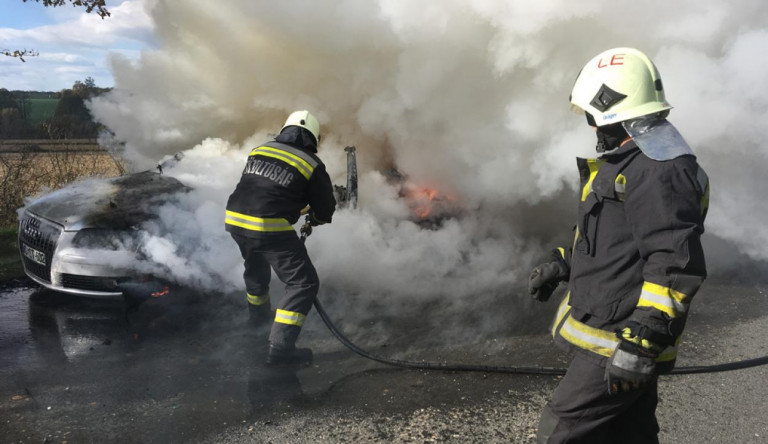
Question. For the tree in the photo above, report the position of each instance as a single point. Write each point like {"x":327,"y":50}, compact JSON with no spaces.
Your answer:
{"x":87,"y":88}
{"x":79,"y":89}
{"x":100,"y":6}
{"x":72,"y":118}
{"x":11,"y":122}
{"x":25,"y":106}
{"x":7,"y":99}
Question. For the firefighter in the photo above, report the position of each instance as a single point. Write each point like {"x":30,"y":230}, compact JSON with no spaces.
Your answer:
{"x":636,"y":260}
{"x":280,"y":178}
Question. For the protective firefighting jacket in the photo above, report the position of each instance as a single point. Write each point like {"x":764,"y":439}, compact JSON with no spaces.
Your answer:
{"x":637,"y":258}
{"x":278,"y":181}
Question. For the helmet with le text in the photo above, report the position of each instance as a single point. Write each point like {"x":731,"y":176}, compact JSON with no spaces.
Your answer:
{"x":618,"y":85}
{"x":306,"y":120}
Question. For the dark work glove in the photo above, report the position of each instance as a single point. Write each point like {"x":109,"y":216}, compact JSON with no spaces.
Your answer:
{"x":545,"y":278}
{"x":313,"y":220}
{"x":632,"y":365}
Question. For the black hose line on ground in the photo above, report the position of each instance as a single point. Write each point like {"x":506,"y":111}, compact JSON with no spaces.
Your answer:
{"x":431,"y":365}
{"x":424,"y":365}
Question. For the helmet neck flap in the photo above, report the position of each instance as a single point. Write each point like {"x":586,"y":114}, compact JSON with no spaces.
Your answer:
{"x":298,"y":137}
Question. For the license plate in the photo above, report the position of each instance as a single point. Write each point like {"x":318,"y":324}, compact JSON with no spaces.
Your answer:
{"x":35,"y":256}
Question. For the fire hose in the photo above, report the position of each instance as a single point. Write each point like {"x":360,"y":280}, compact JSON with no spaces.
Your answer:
{"x":306,"y":230}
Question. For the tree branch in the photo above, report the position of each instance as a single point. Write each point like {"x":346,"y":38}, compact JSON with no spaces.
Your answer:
{"x":20,"y":53}
{"x":100,"y":6}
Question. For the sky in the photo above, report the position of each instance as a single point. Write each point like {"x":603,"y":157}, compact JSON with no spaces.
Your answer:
{"x":72,"y":44}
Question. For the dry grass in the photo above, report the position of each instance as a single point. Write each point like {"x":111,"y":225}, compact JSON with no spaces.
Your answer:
{"x":16,"y":145}
{"x":24,"y":174}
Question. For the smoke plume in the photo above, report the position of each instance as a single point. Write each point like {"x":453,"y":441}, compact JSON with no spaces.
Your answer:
{"x":465,"y":97}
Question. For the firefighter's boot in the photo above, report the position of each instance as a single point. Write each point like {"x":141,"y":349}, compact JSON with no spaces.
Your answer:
{"x":293,"y":357}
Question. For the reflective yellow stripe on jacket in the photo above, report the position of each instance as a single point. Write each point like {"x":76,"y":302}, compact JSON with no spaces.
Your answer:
{"x":594,"y":166}
{"x":620,"y":182}
{"x":595,"y":340}
{"x":672,"y":302}
{"x":257,"y":223}
{"x":296,"y":158}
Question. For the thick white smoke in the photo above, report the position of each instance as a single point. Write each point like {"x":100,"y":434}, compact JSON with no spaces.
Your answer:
{"x":469,"y":97}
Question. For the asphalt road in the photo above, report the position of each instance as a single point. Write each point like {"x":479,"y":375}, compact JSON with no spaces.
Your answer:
{"x":186,"y":368}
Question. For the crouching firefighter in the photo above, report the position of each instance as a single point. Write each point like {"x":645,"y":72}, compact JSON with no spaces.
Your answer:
{"x":636,"y":260}
{"x":281,"y":177}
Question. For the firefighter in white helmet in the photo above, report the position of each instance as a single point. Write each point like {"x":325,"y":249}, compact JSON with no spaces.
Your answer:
{"x":636,"y":260}
{"x":280,"y":178}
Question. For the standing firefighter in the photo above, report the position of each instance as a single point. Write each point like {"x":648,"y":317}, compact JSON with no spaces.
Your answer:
{"x":280,"y":178}
{"x":636,"y":261}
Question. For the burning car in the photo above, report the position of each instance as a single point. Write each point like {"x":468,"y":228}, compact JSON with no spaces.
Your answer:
{"x":85,"y":238}
{"x":81,"y":239}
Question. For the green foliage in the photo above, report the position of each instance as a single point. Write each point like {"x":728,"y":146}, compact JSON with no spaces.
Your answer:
{"x":72,"y":106}
{"x":45,"y":115}
{"x":41,"y":109}
{"x":40,"y":94}
{"x":7,"y":99}
{"x":10,"y":262}
{"x":72,"y":119}
{"x":12,"y":117}
{"x":8,"y":235}
{"x":100,"y":6}
{"x":85,"y":89}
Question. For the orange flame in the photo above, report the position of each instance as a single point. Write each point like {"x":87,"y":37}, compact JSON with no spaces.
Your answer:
{"x":160,"y":293}
{"x":423,"y":199}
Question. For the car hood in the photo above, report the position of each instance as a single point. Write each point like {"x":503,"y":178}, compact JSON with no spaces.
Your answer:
{"x":118,"y":203}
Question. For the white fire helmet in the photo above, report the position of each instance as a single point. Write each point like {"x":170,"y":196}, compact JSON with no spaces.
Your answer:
{"x":305,"y":120}
{"x":618,"y":85}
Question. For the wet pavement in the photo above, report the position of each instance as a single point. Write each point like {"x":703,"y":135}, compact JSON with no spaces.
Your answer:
{"x":186,"y":368}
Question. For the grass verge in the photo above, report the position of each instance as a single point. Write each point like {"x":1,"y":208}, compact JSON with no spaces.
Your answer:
{"x":10,"y":262}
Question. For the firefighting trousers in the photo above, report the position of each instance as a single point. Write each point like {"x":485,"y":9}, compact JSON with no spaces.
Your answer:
{"x":581,"y":410}
{"x":288,"y":257}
